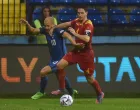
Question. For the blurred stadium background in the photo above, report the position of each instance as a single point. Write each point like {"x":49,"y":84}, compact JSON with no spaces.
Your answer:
{"x":116,"y":42}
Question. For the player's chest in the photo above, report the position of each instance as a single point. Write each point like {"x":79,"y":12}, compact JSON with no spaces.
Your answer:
{"x":79,"y":28}
{"x":52,"y":41}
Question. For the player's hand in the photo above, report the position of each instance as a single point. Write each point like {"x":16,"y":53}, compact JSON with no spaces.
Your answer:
{"x":51,"y":31}
{"x":23,"y":21}
{"x":71,"y":30}
{"x":79,"y":46}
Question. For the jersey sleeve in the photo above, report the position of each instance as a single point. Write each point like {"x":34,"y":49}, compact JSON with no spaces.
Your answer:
{"x":88,"y":29}
{"x":42,"y":30}
{"x":73,"y":23}
{"x":60,"y":31}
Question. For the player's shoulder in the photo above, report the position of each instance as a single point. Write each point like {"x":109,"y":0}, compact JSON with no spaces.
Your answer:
{"x":89,"y":22}
{"x":75,"y":20}
{"x":58,"y":30}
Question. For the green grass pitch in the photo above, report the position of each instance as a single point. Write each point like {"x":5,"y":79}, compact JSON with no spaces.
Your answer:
{"x":79,"y":104}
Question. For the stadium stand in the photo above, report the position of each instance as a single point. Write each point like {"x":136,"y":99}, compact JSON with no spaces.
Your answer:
{"x":54,"y":1}
{"x":125,"y":2}
{"x":135,"y":2}
{"x":101,"y":1}
{"x":95,"y":16}
{"x":66,"y":1}
{"x":104,"y":14}
{"x":66,"y":14}
{"x":36,"y":13}
{"x":79,"y":1}
{"x":38,"y":1}
{"x":10,"y":13}
{"x":89,"y":1}
{"x":117,"y":16}
{"x":135,"y":17}
{"x":115,"y":1}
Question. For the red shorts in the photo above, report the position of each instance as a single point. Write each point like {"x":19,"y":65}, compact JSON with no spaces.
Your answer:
{"x":84,"y":59}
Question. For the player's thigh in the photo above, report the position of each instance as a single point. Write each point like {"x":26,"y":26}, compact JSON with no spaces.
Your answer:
{"x":46,"y":70}
{"x":62,"y":64}
{"x":70,"y":58}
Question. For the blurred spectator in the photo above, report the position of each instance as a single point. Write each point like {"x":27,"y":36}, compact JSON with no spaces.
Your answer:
{"x":46,"y":12}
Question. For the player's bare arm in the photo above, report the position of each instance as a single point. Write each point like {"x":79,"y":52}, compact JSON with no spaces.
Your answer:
{"x":76,"y":45}
{"x":69,"y":37}
{"x":85,"y":38}
{"x":62,"y":25}
{"x":30,"y":28}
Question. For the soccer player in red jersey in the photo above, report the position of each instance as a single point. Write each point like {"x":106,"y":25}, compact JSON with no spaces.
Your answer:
{"x":82,"y":28}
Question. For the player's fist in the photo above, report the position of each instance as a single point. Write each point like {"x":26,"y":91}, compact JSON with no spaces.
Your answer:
{"x":51,"y":30}
{"x":23,"y":21}
{"x":79,"y":46}
{"x":71,"y":30}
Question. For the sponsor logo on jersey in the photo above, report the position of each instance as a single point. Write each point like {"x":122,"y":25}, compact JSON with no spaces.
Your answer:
{"x":55,"y":62}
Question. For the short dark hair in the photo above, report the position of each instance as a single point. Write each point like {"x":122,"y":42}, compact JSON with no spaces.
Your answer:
{"x":83,"y":7}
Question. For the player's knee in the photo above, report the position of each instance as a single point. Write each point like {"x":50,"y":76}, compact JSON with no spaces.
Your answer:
{"x":90,"y":79}
{"x":59,"y":66}
{"x":62,"y":64}
{"x":43,"y":73}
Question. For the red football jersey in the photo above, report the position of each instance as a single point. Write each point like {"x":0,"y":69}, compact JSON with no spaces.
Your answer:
{"x":85,"y":28}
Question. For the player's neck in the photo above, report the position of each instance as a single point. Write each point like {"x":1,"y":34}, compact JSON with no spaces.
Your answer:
{"x":83,"y":21}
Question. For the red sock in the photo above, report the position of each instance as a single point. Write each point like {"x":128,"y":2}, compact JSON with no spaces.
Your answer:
{"x":61,"y":78}
{"x":97,"y":87}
